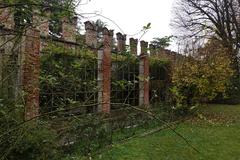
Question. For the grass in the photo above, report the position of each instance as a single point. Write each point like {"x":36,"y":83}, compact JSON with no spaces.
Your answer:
{"x":215,"y":133}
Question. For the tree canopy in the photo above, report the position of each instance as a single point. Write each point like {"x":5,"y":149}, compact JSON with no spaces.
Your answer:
{"x":163,"y":42}
{"x":204,"y":78}
{"x":207,"y":18}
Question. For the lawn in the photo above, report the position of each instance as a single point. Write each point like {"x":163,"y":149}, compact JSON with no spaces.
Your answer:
{"x":215,"y":134}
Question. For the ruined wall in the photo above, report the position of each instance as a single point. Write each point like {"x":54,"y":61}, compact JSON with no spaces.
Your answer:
{"x":37,"y":38}
{"x":166,"y":54}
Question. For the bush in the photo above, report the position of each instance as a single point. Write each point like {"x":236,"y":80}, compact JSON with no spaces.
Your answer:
{"x":202,"y":79}
{"x":33,"y":141}
{"x":233,"y":93}
{"x":23,"y":140}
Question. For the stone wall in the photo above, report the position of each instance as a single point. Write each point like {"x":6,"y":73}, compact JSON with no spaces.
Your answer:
{"x":165,"y":54}
{"x":37,"y":38}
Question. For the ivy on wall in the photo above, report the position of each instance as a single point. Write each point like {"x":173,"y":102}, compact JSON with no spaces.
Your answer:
{"x":160,"y":78}
{"x":67,"y":78}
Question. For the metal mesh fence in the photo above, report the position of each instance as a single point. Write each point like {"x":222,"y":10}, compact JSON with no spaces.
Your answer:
{"x":68,"y":80}
{"x":124,"y":86}
{"x":10,"y":67}
{"x":159,"y":82}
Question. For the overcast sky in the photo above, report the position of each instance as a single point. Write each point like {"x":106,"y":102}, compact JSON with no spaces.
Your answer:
{"x":132,"y":15}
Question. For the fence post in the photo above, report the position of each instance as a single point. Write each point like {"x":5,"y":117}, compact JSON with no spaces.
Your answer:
{"x":121,"y":42}
{"x":69,"y":28}
{"x":144,"y":75}
{"x":100,"y":80}
{"x":30,"y":72}
{"x":133,"y":46}
{"x":104,"y":73}
{"x":91,"y":35}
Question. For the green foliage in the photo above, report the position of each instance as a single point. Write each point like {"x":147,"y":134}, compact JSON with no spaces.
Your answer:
{"x":201,"y":80}
{"x":35,"y":141}
{"x":147,"y":27}
{"x":214,"y":141}
{"x":20,"y":139}
{"x":159,"y":69}
{"x":160,"y":73}
{"x":158,"y":61}
{"x":86,"y":134}
{"x":59,"y":9}
{"x":96,"y":132}
{"x":67,"y":78}
{"x":233,"y":92}
{"x":24,"y":140}
{"x":210,"y":139}
{"x":125,"y":57}
{"x":23,"y":15}
{"x":124,"y":79}
{"x":162,"y":42}
{"x":23,"y":12}
{"x":99,"y":25}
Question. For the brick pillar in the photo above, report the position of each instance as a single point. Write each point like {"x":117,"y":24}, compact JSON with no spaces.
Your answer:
{"x":133,"y":46}
{"x":42,"y":22}
{"x":144,"y":75}
{"x":7,"y":18}
{"x":100,"y":80}
{"x":91,"y":34}
{"x":111,"y":33}
{"x":69,"y":29}
{"x":121,"y":42}
{"x":30,"y":72}
{"x":104,"y":73}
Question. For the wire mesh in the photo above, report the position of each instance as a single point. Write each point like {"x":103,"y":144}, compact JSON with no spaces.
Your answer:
{"x":10,"y":67}
{"x":68,"y":80}
{"x":124,"y":82}
{"x":159,"y":83}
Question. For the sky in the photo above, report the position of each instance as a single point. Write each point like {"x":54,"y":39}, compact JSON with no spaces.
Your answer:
{"x":132,"y":15}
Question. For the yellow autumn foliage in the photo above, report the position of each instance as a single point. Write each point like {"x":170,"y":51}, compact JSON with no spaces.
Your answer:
{"x":204,"y":77}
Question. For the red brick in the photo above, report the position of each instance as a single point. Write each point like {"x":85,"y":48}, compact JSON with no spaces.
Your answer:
{"x":30,"y":75}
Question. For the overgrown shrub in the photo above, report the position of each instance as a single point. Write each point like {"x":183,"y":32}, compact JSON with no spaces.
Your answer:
{"x":202,"y":79}
{"x":233,"y":93}
{"x":67,"y":79}
{"x":90,"y":134}
{"x":24,"y":140}
{"x":35,"y":142}
{"x":160,"y":75}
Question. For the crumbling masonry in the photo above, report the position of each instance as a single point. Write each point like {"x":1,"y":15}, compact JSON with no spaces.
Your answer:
{"x":36,"y":39}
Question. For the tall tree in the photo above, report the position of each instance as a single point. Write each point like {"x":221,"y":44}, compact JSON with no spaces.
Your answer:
{"x":219,"y":18}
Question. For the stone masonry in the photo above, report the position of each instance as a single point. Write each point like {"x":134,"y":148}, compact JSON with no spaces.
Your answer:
{"x":69,"y":29}
{"x":106,"y":69}
{"x":30,"y":72}
{"x":144,"y":75}
{"x":31,"y":59}
{"x":121,"y":42}
{"x":42,"y":22}
{"x":6,"y":18}
{"x":133,"y":45}
{"x":90,"y":35}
